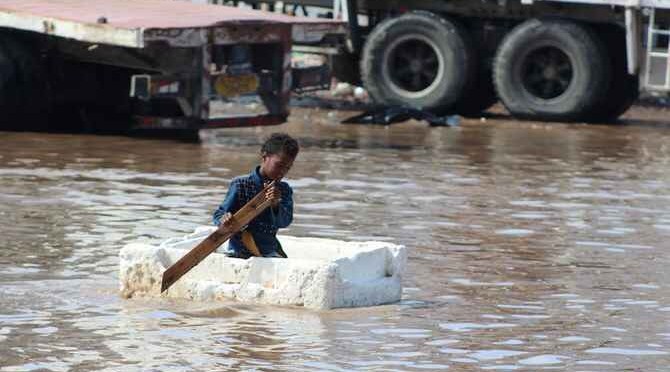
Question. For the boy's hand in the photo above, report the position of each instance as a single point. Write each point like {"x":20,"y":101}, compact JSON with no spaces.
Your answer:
{"x":274,"y":195}
{"x":227,"y":221}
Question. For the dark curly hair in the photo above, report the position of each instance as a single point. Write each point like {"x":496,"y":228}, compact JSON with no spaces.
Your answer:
{"x":280,"y":143}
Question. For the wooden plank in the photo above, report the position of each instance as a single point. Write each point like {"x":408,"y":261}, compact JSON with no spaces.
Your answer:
{"x":241,"y":219}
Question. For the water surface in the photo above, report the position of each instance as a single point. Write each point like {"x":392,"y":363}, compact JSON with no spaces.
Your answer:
{"x":531,"y":246}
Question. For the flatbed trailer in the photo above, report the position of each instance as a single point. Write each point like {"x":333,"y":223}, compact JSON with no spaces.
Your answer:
{"x":168,"y":64}
{"x":564,"y":60}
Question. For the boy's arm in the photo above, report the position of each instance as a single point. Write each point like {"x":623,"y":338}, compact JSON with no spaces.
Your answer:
{"x":284,"y":211}
{"x":229,"y":204}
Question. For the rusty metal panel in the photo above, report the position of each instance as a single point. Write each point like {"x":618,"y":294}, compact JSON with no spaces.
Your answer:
{"x":220,"y":35}
{"x":123,"y":22}
{"x":93,"y":33}
{"x":314,"y":32}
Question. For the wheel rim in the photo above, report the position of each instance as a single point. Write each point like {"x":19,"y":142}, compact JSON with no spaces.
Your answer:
{"x":547,"y":72}
{"x":413,"y":65}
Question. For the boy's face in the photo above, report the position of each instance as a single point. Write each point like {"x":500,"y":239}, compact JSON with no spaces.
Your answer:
{"x":275,"y":166}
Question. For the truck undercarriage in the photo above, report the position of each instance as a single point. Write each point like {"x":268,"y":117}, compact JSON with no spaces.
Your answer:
{"x":563,"y":60}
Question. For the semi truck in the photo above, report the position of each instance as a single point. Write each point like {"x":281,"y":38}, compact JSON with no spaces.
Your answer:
{"x":152,"y":64}
{"x":558,"y":60}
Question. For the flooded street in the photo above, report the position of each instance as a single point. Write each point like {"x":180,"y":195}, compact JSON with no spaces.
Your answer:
{"x":531,"y":246}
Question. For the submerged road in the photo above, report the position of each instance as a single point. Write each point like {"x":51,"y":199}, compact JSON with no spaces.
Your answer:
{"x":532,"y":246}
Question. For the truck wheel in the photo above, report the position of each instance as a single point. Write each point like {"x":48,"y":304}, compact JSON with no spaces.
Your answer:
{"x":419,"y":60}
{"x":550,"y":70}
{"x":623,"y":89}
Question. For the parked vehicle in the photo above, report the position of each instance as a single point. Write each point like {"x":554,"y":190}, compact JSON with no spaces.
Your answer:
{"x":567,"y":60}
{"x":167,"y":64}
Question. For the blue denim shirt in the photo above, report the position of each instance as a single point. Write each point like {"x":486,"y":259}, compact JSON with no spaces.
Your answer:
{"x":264,"y":227}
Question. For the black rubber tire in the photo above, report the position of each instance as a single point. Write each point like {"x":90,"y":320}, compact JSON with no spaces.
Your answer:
{"x":446,"y":46}
{"x":623,"y":89}
{"x":24,"y":96}
{"x":582,"y":68}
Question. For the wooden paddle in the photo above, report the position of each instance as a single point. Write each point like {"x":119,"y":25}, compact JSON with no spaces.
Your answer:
{"x":241,"y":219}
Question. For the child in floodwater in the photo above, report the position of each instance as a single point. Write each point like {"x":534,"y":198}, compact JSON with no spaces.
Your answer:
{"x":277,"y":156}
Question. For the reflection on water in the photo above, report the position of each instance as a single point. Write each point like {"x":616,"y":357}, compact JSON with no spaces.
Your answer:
{"x":532,"y":246}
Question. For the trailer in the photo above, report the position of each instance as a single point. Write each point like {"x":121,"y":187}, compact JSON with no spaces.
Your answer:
{"x":168,"y":65}
{"x":563,"y":60}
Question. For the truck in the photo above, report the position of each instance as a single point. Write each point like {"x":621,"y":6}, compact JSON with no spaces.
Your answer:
{"x":147,"y":65}
{"x":553,"y":60}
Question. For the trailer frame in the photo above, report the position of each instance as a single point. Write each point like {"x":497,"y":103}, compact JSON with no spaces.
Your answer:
{"x":184,"y":46}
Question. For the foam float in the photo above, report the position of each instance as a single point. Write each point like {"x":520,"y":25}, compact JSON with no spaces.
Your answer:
{"x":319,"y":273}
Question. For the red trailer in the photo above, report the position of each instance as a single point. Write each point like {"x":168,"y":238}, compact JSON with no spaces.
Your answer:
{"x":170,"y":64}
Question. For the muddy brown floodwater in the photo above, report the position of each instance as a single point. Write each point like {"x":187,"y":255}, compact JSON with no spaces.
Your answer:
{"x":531,"y":246}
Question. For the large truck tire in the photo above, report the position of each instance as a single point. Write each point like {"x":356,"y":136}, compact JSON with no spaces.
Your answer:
{"x":623,"y":89}
{"x":550,"y":69}
{"x":419,"y":60}
{"x":24,"y":96}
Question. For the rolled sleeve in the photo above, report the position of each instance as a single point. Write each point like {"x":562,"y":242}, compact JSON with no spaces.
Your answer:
{"x":229,"y":204}
{"x":284,"y":212}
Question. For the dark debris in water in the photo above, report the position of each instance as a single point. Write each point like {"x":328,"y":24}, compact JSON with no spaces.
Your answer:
{"x":399,"y":114}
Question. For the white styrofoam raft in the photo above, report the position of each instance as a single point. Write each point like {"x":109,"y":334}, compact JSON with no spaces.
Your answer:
{"x":319,"y":273}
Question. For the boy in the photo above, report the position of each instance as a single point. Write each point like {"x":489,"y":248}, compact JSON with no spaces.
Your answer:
{"x":260,"y":237}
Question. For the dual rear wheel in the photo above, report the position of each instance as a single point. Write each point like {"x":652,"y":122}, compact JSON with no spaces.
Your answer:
{"x":420,"y":60}
{"x":544,"y":69}
{"x":549,"y":69}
